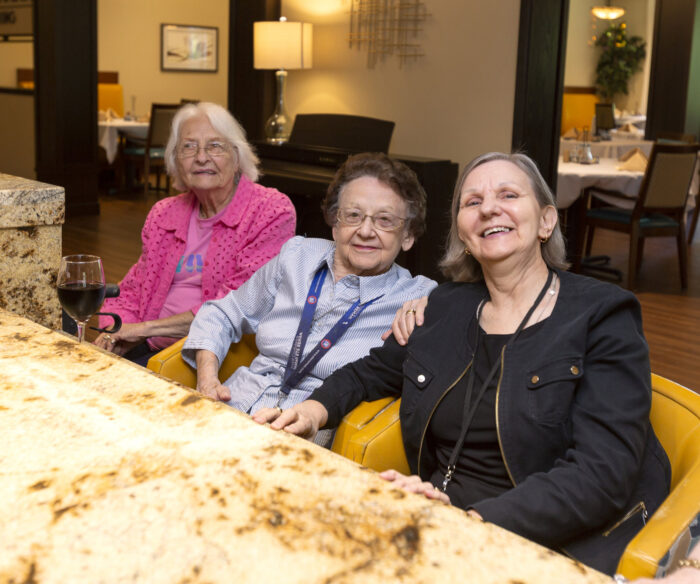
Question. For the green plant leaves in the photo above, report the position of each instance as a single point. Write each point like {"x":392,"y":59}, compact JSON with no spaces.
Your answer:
{"x":621,"y":58}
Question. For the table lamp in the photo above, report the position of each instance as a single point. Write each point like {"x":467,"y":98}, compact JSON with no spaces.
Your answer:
{"x":281,"y":45}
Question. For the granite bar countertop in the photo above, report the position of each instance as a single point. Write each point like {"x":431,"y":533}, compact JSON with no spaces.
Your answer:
{"x":31,"y":219}
{"x":25,"y":202}
{"x":111,"y":473}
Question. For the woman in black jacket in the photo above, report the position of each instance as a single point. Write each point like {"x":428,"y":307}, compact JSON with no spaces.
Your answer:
{"x":526,"y":393}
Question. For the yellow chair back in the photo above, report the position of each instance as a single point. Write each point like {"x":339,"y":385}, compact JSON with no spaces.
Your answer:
{"x":577,"y":110}
{"x":169,"y":362}
{"x":675,"y":416}
{"x":110,"y":95}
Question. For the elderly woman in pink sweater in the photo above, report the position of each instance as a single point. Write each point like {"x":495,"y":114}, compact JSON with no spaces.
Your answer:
{"x":201,"y":244}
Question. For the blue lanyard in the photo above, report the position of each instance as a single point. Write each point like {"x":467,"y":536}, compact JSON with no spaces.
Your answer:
{"x":298,"y":368}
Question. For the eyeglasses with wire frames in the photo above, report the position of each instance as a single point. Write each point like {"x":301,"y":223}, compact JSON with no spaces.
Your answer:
{"x":383,"y":221}
{"x":213,"y":149}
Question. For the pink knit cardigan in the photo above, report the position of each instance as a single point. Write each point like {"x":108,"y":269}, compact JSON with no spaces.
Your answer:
{"x":257,"y":221}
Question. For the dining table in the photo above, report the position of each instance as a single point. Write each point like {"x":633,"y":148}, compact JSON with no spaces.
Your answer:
{"x":111,"y":473}
{"x":109,"y":131}
{"x":573,"y":177}
{"x":614,"y":148}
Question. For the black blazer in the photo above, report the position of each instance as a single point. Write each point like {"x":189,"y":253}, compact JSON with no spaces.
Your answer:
{"x":572,"y":413}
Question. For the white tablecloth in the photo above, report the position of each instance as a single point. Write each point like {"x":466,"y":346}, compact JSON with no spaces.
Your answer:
{"x":573,"y":178}
{"x":108,"y":134}
{"x":609,"y":148}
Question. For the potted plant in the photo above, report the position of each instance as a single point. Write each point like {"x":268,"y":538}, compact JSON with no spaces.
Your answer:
{"x":621,"y":58}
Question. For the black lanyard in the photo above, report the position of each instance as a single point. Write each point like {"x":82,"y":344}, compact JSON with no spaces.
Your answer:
{"x":469,"y":407}
{"x":298,"y":368}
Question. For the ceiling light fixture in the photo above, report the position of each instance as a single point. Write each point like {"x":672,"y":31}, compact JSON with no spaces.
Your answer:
{"x":608,"y":12}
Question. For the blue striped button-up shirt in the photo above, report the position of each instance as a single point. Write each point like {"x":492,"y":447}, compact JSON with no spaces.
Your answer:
{"x":270,"y":305}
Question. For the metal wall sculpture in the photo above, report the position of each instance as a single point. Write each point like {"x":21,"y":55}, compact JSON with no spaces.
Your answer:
{"x":387,"y":27}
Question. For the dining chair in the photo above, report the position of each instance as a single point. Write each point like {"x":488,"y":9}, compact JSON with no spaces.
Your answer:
{"x":150,"y":155}
{"x":675,"y":137}
{"x":658,"y":211}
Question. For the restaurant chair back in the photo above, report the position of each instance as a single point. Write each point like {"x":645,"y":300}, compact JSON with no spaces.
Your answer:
{"x":659,"y":210}
{"x":675,"y":138}
{"x":675,"y":417}
{"x":150,"y":155}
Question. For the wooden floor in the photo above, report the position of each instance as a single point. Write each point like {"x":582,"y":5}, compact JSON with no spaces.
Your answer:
{"x":671,"y":316}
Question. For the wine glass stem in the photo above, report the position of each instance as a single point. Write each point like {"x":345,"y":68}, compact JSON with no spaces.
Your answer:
{"x":81,"y":330}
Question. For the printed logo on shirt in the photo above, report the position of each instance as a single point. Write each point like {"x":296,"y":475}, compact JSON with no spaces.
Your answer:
{"x":190,"y":263}
{"x":311,"y":299}
{"x":325,"y":344}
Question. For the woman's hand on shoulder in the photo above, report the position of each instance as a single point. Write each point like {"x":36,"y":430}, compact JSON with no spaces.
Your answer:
{"x":414,"y":484}
{"x":409,"y":316}
{"x":302,"y":420}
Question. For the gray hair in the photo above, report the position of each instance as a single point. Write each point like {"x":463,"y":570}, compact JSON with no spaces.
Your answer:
{"x":225,"y":124}
{"x":460,"y":267}
{"x":394,"y":174}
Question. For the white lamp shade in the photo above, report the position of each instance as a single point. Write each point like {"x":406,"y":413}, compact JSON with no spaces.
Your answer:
{"x":282,"y":45}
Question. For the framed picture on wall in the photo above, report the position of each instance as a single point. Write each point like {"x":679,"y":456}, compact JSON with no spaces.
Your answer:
{"x":189,"y":48}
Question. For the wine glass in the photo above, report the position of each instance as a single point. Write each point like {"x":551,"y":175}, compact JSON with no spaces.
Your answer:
{"x":81,"y":288}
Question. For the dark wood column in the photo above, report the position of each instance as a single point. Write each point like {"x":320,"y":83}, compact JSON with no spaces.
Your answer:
{"x":251,"y":93}
{"x":65,"y":72}
{"x":539,"y":82}
{"x":670,"y":67}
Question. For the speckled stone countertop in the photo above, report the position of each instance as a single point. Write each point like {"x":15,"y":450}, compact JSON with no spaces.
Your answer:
{"x":25,"y":202}
{"x":31,"y":218}
{"x":110,"y":473}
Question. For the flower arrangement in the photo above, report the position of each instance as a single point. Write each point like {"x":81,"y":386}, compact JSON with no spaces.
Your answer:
{"x":621,"y":58}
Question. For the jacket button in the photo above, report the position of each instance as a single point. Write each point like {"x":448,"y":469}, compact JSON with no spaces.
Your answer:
{"x":421,"y":378}
{"x":574,"y":370}
{"x":535,"y":379}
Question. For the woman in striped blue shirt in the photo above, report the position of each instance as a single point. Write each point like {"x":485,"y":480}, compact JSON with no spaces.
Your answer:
{"x":319,"y":304}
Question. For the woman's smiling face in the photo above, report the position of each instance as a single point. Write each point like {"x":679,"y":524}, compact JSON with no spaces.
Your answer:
{"x":499,"y":215}
{"x":363,"y":249}
{"x":203,"y":172}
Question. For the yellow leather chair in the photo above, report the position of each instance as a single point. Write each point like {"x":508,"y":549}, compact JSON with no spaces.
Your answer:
{"x":675,"y":416}
{"x":169,"y":362}
{"x":371,"y":435}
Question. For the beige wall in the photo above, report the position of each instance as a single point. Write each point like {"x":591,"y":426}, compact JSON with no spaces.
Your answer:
{"x":13,"y":56}
{"x":17,"y":150}
{"x":455,"y":102}
{"x":128,"y":41}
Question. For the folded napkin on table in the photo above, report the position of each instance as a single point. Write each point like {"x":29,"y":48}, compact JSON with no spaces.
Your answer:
{"x":631,"y":128}
{"x":633,"y":161}
{"x":571,"y":134}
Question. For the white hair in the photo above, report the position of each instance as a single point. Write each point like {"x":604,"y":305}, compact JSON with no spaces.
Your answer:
{"x":225,"y":124}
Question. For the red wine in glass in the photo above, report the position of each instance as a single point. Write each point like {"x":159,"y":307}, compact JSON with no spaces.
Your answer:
{"x":81,"y":288}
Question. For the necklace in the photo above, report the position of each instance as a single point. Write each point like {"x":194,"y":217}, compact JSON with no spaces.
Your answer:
{"x":548,"y":299}
{"x":469,"y":406}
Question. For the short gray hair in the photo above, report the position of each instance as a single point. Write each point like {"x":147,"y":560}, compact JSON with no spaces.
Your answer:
{"x":224,"y":123}
{"x":394,"y":174}
{"x":460,"y":267}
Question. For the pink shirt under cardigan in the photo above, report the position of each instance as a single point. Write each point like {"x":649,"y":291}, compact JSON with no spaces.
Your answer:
{"x":257,"y":221}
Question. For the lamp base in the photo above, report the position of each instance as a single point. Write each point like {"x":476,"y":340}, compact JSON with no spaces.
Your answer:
{"x":277,"y":127}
